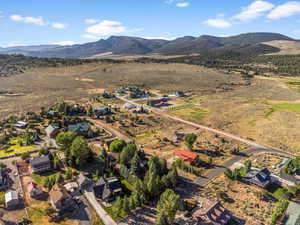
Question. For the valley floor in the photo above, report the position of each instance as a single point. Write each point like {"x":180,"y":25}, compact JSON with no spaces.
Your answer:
{"x":267,"y":110}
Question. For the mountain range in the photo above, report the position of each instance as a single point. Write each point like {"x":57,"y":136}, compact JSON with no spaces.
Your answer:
{"x":124,"y":45}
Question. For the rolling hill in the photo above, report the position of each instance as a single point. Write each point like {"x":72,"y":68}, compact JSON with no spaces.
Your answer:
{"x":124,"y":45}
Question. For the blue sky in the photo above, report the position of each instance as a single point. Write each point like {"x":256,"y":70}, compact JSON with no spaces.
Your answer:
{"x":26,"y":22}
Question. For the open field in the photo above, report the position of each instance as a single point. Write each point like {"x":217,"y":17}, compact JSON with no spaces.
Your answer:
{"x":266,"y":111}
{"x":286,"y":47}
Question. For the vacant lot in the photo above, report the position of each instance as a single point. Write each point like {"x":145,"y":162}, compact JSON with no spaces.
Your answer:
{"x":266,"y":111}
{"x":242,"y":199}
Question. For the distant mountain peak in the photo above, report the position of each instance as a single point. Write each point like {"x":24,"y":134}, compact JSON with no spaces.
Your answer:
{"x":126,"y":45}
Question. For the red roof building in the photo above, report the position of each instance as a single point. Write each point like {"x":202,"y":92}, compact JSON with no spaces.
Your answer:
{"x":186,"y":156}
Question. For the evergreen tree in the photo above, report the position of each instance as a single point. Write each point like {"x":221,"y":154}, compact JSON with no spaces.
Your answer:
{"x":167,"y":207}
{"x":80,"y":152}
{"x":190,"y":139}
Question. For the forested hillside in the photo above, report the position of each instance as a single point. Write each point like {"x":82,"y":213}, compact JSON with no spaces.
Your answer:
{"x":12,"y":64}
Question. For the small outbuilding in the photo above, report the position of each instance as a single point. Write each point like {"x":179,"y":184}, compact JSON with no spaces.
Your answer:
{"x":12,"y":200}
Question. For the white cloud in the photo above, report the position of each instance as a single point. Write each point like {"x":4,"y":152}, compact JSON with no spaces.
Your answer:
{"x":91,"y":21}
{"x":59,"y":26}
{"x":13,"y":44}
{"x":161,"y":38}
{"x":218,"y":23}
{"x":38,"y":21}
{"x":255,"y":10}
{"x":285,"y":10}
{"x":90,"y":36}
{"x":106,"y":28}
{"x":183,"y":4}
{"x":64,"y":43}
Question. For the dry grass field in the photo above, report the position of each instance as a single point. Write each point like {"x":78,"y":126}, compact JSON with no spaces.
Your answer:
{"x":242,"y":199}
{"x":267,"y":111}
{"x":286,"y":47}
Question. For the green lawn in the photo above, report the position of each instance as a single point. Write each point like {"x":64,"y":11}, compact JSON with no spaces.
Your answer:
{"x":277,"y":192}
{"x":15,"y":148}
{"x":283,"y":106}
{"x":40,"y":180}
{"x":127,"y":185}
{"x":2,"y":198}
{"x":194,"y":114}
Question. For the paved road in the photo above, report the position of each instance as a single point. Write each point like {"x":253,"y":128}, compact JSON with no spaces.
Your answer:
{"x":219,"y":170}
{"x":110,"y":129}
{"x":254,"y":149}
{"x":106,"y":219}
{"x":161,"y":113}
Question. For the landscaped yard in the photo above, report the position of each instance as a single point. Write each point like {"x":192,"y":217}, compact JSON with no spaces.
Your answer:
{"x":38,"y":215}
{"x":278,"y":192}
{"x":2,"y":198}
{"x":40,"y":180}
{"x":16,"y":148}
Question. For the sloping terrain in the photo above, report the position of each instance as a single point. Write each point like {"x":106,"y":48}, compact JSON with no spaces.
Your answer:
{"x":267,"y":110}
{"x":286,"y":47}
{"x":123,"y":45}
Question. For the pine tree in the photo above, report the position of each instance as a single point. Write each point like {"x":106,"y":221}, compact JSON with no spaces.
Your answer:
{"x":167,"y":207}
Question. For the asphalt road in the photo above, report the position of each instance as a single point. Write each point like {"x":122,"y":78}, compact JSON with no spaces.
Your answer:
{"x":219,"y":170}
{"x":254,"y":149}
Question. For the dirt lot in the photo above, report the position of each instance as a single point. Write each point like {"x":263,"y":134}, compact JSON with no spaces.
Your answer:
{"x":253,"y":111}
{"x":243,"y":200}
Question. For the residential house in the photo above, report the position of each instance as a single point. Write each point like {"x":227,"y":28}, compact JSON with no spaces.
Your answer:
{"x":80,"y":128}
{"x":261,"y":178}
{"x":52,"y":114}
{"x":21,"y":125}
{"x":107,"y":189}
{"x":102,"y":111}
{"x":211,"y":213}
{"x":84,"y":182}
{"x":129,"y":106}
{"x":12,"y":200}
{"x":35,"y":191}
{"x":158,"y":102}
{"x":292,"y":214}
{"x":52,"y":131}
{"x":186,"y":156}
{"x":40,"y":164}
{"x":61,"y":200}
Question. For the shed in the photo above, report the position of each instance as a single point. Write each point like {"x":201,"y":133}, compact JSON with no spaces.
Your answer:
{"x":12,"y":200}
